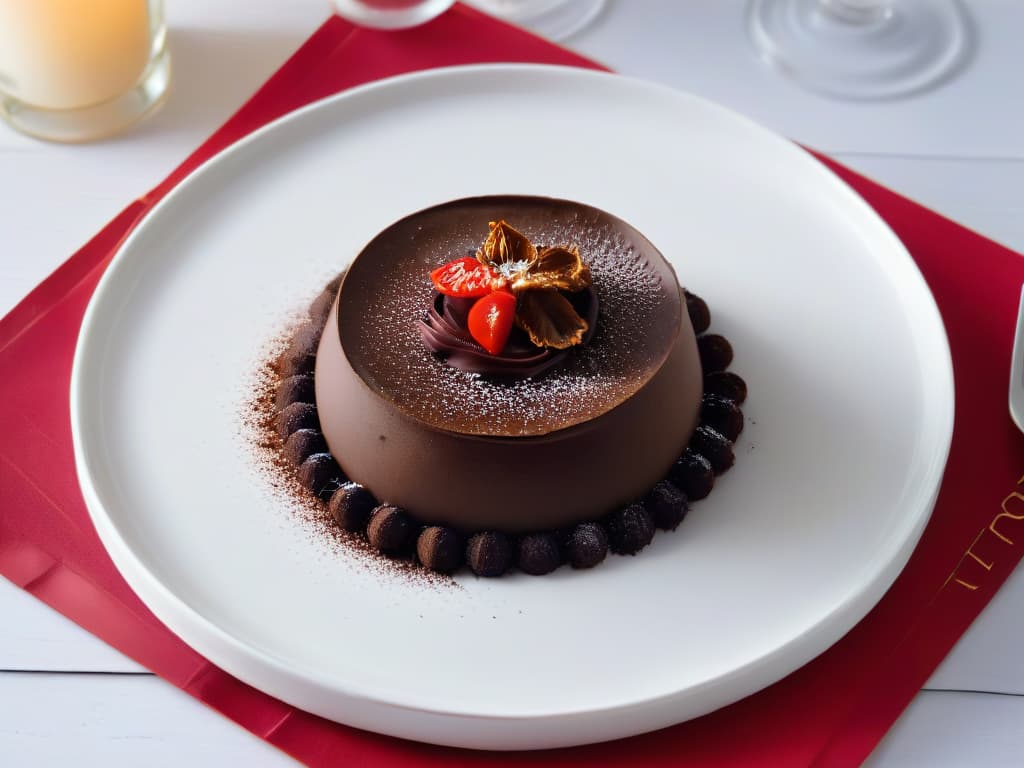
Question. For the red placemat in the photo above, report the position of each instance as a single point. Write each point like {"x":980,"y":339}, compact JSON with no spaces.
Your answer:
{"x":830,"y":712}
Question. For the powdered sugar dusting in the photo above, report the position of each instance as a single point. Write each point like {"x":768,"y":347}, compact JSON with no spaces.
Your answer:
{"x":636,"y":293}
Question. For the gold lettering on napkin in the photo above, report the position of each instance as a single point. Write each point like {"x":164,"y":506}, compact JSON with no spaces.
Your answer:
{"x":1005,"y":506}
{"x":1011,"y":511}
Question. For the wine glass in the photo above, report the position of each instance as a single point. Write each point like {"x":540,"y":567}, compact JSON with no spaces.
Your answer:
{"x":861,"y":49}
{"x":391,"y":14}
{"x":553,"y":19}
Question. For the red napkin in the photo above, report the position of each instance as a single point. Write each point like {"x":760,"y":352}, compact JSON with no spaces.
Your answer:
{"x":830,"y":712}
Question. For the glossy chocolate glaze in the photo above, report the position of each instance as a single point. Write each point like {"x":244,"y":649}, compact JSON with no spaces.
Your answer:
{"x":475,"y":453}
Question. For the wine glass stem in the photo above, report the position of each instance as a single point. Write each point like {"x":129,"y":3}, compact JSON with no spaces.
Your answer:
{"x":857,"y":12}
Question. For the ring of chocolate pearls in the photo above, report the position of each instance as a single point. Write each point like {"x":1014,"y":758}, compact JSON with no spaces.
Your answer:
{"x":395,"y":532}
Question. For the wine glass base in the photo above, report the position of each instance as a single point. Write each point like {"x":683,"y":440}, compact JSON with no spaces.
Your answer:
{"x":553,"y":19}
{"x":99,"y":120}
{"x":385,"y":15}
{"x":861,"y":50}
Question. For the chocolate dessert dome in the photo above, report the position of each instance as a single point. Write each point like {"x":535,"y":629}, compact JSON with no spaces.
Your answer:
{"x":522,"y":437}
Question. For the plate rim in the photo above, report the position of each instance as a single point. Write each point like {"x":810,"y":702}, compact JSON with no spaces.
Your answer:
{"x":152,"y":590}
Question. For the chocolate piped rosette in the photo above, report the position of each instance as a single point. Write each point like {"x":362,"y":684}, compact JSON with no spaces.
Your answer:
{"x":537,"y":399}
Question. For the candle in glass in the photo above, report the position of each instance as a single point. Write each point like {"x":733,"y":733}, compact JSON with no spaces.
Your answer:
{"x":73,"y":70}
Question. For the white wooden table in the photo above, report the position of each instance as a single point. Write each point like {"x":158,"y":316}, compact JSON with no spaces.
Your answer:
{"x":66,"y":698}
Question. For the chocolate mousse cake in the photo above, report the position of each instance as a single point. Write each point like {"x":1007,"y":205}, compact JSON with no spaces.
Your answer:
{"x":508,"y":381}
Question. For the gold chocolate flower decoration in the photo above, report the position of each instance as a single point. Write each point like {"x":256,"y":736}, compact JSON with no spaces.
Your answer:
{"x":536,"y":278}
{"x":514,"y":282}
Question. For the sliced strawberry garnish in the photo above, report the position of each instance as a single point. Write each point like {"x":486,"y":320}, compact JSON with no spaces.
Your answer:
{"x":466,"y":278}
{"x":490,"y":320}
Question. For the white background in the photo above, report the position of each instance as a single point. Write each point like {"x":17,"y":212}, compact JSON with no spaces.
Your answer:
{"x":65,"y":696}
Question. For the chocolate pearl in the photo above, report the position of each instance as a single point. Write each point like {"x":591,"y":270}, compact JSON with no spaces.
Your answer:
{"x":303,"y":443}
{"x":351,"y":506}
{"x":722,"y":415}
{"x":692,"y":474}
{"x":289,"y":367}
{"x":697,"y":309}
{"x":666,"y":505}
{"x":538,"y":554}
{"x":727,"y":385}
{"x":321,"y":474}
{"x":630,"y":529}
{"x":294,"y":417}
{"x":715,"y":352}
{"x":489,"y":553}
{"x":714,"y":446}
{"x":587,"y":545}
{"x":440,"y":549}
{"x":390,"y":529}
{"x":295,"y":389}
{"x":321,"y":307}
{"x":300,"y":356}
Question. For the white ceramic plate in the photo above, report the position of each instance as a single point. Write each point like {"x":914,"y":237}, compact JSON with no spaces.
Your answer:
{"x":849,"y":418}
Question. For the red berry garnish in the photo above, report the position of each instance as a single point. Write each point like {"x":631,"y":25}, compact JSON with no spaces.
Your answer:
{"x":490,"y":320}
{"x":466,"y":278}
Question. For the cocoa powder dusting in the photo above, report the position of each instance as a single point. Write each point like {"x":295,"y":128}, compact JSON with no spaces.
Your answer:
{"x":258,"y":430}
